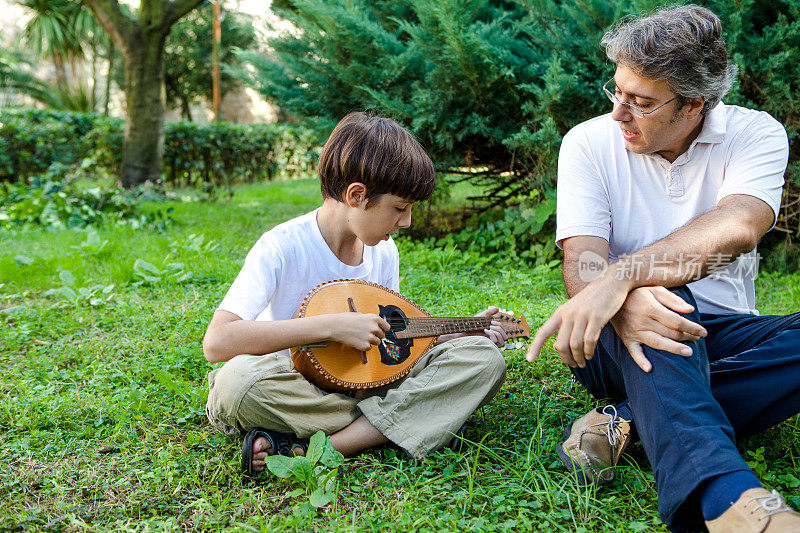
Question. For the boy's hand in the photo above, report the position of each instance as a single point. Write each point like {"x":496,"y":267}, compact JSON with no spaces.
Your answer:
{"x":495,"y":332}
{"x":358,"y":330}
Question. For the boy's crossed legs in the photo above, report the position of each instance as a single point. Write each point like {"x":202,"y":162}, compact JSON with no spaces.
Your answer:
{"x":420,"y":413}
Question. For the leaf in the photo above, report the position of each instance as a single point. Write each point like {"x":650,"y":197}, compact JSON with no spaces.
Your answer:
{"x":92,"y":239}
{"x":328,"y":482}
{"x":145,"y":269}
{"x":280,"y":465}
{"x":330,"y":457}
{"x":303,"y":509}
{"x":68,"y":293}
{"x":303,"y":471}
{"x":23,"y":259}
{"x":316,"y":447}
{"x":321,"y":498}
{"x":295,"y":493}
{"x":66,"y":277}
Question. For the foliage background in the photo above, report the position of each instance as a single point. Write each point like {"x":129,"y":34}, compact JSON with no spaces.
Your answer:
{"x":188,"y":58}
{"x":61,"y":144}
{"x":490,"y":87}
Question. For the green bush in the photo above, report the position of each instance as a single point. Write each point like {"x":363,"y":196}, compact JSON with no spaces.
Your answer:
{"x":220,"y":153}
{"x":61,"y":205}
{"x":490,"y":87}
{"x":35,"y":142}
{"x":32,"y":140}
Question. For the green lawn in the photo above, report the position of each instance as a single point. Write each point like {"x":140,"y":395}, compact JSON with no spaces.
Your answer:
{"x":101,"y":407}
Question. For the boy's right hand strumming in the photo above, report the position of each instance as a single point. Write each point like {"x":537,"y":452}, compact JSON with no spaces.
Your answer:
{"x":357,"y":330}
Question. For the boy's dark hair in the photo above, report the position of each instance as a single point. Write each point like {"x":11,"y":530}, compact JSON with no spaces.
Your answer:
{"x":379,"y":153}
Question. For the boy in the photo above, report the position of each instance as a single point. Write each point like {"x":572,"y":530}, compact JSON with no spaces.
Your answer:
{"x":371,"y":171}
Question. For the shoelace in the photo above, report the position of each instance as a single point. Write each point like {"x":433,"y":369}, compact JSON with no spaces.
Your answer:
{"x":771,"y":505}
{"x":613,"y":432}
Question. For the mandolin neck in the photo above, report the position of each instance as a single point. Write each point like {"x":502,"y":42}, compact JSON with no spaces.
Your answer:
{"x":435,"y":326}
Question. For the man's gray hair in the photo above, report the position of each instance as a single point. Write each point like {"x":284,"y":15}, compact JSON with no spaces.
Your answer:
{"x":682,"y":45}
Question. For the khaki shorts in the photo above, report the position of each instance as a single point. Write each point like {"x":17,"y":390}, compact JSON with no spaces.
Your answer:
{"x":420,"y":413}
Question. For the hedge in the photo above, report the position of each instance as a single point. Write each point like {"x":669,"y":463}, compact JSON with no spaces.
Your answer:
{"x":35,"y":142}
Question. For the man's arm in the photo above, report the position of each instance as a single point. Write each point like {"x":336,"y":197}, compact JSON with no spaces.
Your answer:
{"x":649,"y":315}
{"x":585,"y":259}
{"x":732,"y":228}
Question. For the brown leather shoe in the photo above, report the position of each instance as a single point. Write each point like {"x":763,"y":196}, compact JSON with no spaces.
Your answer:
{"x":593,"y":444}
{"x":757,"y":511}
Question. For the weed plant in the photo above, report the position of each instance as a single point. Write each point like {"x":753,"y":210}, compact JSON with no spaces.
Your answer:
{"x":102,"y":394}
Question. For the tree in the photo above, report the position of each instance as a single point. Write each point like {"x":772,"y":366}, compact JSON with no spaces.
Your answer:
{"x":490,"y":86}
{"x":16,"y":76}
{"x":141,"y":41}
{"x":461,"y":74}
{"x":62,"y":31}
{"x":54,"y":33}
{"x":188,"y":55}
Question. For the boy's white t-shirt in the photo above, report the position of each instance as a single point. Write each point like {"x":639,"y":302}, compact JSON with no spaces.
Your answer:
{"x":633,"y":200}
{"x":291,"y":259}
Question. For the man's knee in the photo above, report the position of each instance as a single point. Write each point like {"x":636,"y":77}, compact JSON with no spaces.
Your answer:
{"x":684,"y":293}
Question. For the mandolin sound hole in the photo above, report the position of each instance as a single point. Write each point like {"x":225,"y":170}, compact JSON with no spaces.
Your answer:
{"x":394,"y":351}
{"x":397,"y":323}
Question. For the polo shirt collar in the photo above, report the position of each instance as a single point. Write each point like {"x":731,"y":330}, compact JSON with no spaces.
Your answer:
{"x":714,"y":126}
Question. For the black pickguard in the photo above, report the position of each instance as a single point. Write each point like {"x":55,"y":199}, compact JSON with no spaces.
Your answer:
{"x":393,"y":350}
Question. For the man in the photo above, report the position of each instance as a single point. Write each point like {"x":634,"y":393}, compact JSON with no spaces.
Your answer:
{"x":674,"y":189}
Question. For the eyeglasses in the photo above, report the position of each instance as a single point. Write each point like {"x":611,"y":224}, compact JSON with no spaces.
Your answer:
{"x":636,"y":111}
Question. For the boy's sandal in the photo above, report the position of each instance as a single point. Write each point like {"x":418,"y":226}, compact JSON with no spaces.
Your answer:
{"x":455,"y":442}
{"x":281,"y":443}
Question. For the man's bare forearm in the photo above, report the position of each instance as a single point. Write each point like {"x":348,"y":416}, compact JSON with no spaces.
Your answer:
{"x":712,"y":240}
{"x":573,"y":283}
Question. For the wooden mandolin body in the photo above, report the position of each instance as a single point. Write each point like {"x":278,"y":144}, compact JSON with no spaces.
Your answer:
{"x":340,"y":367}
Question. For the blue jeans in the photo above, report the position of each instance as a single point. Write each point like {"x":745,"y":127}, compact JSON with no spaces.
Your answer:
{"x":742,"y":378}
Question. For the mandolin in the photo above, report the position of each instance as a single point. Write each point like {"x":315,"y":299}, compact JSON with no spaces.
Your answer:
{"x":336,"y":366}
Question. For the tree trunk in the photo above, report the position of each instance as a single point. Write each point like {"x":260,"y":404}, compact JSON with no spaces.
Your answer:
{"x":94,"y":72}
{"x":215,"y":46}
{"x":186,"y":110}
{"x":144,"y":97}
{"x":141,"y":41}
{"x":110,"y":71}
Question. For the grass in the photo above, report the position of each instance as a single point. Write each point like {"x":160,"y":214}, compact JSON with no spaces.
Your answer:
{"x":101,"y":407}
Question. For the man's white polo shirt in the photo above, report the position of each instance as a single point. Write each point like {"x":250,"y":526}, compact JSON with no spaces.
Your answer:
{"x":633,"y":200}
